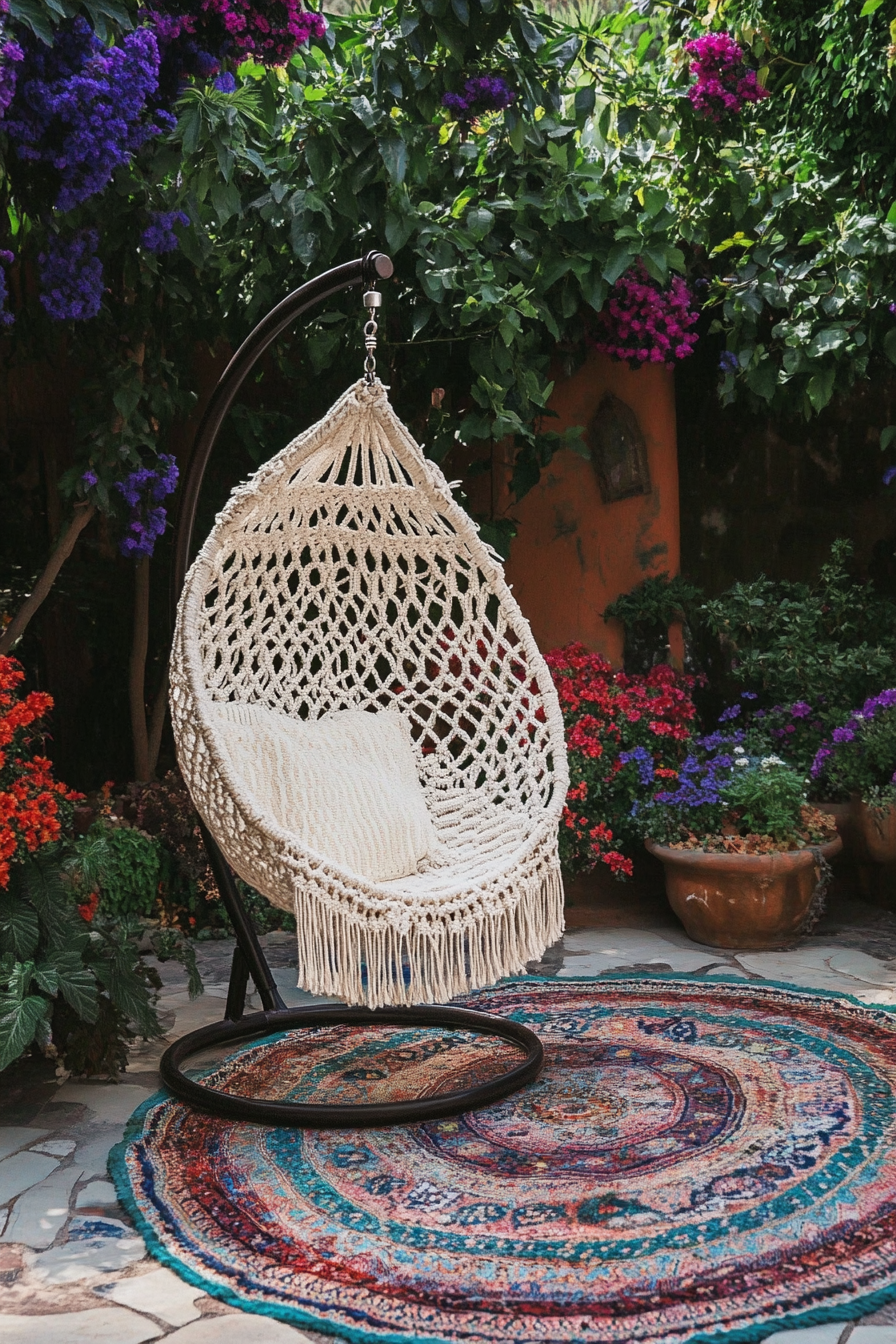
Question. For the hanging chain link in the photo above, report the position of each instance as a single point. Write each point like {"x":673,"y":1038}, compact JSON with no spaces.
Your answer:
{"x":372,"y":301}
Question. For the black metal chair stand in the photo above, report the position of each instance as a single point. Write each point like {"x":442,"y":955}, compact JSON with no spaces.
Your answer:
{"x":248,"y":958}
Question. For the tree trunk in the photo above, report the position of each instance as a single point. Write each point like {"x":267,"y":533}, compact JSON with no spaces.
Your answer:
{"x":157,"y":722}
{"x":137,"y":671}
{"x":84,"y":511}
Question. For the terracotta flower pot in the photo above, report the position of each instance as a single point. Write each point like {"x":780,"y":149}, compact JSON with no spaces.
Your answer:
{"x":876,"y":829}
{"x":750,"y":901}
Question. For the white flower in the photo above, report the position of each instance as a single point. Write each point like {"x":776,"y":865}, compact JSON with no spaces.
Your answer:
{"x":741,"y":760}
{"x":771,"y":760}
{"x":739,"y":751}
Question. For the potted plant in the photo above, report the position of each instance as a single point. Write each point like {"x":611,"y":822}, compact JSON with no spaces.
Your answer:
{"x":745,"y":854}
{"x":859,"y":761}
{"x":626,"y":737}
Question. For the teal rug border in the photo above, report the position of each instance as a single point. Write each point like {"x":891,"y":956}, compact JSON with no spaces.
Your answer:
{"x":297,"y":1316}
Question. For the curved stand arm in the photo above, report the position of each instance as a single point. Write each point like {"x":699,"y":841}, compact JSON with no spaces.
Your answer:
{"x":366,"y":270}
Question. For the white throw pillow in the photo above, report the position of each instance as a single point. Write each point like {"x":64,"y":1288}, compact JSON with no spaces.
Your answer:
{"x":345,"y":785}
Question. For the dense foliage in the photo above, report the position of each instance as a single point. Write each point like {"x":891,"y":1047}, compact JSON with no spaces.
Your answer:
{"x":810,"y":650}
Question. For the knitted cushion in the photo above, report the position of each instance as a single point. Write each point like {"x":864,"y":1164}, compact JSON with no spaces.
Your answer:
{"x":345,"y":784}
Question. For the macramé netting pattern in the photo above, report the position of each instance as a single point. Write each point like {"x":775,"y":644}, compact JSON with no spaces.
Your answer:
{"x":343,"y":575}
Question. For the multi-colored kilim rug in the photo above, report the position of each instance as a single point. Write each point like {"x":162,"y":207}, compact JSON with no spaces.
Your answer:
{"x":699,"y":1159}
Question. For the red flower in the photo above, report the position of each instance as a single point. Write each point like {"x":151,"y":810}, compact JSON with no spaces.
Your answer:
{"x":29,"y":795}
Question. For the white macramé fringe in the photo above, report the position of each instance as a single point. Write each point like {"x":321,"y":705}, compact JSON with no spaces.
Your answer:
{"x":363,"y":962}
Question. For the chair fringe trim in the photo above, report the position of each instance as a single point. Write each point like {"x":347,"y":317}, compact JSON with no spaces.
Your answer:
{"x":343,"y":954}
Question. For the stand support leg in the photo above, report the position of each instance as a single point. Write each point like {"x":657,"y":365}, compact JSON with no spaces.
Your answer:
{"x":236,"y":990}
{"x":246,"y":937}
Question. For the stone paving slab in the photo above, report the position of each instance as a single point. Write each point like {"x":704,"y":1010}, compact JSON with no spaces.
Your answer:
{"x":101,"y":1325}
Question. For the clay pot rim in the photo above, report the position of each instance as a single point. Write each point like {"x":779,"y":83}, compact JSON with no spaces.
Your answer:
{"x":784,"y":858}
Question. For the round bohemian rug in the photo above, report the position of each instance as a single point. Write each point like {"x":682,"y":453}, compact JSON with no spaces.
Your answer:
{"x":699,"y":1159}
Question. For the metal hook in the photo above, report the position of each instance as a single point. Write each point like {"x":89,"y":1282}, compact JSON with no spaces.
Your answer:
{"x":372,"y":301}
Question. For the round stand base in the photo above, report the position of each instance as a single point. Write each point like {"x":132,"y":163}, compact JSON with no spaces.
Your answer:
{"x":319,"y":1116}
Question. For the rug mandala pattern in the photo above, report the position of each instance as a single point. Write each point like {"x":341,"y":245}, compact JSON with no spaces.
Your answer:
{"x":696,"y":1158}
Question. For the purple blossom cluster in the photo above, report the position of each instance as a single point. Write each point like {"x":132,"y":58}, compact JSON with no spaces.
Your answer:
{"x":81,"y":109}
{"x":6,"y":317}
{"x":644,"y":761}
{"x":852,"y":731}
{"x":723,"y":84}
{"x":481,"y":93}
{"x":143,"y":491}
{"x":159,"y":235}
{"x":644,"y":323}
{"x":11,"y":55}
{"x":71,"y":276}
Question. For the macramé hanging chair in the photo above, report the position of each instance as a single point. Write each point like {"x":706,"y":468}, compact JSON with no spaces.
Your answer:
{"x":343,"y":577}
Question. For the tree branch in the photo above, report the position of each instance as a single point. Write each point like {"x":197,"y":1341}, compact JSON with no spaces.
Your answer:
{"x":84,"y":511}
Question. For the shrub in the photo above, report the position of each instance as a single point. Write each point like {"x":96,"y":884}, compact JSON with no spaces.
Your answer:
{"x":626,"y":736}
{"x":70,"y":982}
{"x":828,"y":645}
{"x":860,"y":755}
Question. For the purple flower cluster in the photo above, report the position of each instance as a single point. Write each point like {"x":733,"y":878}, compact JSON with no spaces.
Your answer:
{"x":11,"y":55}
{"x":701,"y":778}
{"x":644,"y":761}
{"x":143,"y":491}
{"x":852,"y":729}
{"x":481,"y":93}
{"x":646,"y":324}
{"x":71,"y":276}
{"x":226,"y":83}
{"x":159,"y":235}
{"x":723,"y":85}
{"x":729,"y":362}
{"x":6,"y":317}
{"x":81,"y":109}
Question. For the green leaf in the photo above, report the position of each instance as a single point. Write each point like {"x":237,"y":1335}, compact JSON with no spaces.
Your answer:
{"x":126,"y":400}
{"x":19,"y":923}
{"x":820,"y":388}
{"x":77,"y":985}
{"x":829,"y":338}
{"x":394,"y":153}
{"x":479,"y":222}
{"x":870,"y":7}
{"x":618,"y":262}
{"x":531,"y":36}
{"x":584,"y":101}
{"x":399,"y":228}
{"x":890,"y":345}
{"x":19,"y":1024}
{"x":887,"y":436}
{"x":227,"y":200}
{"x":363,"y":110}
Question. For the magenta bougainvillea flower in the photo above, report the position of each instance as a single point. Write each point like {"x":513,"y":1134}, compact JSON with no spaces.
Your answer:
{"x":723,"y":84}
{"x":646,"y":323}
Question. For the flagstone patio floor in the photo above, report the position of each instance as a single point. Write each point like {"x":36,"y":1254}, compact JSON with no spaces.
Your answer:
{"x":74,"y":1271}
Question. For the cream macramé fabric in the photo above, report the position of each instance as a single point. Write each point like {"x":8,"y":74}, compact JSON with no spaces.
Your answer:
{"x":344,"y":576}
{"x":345,"y":786}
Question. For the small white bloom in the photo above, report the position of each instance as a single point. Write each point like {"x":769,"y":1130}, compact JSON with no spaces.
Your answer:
{"x":768,"y":761}
{"x":739,"y":751}
{"x":742,"y":760}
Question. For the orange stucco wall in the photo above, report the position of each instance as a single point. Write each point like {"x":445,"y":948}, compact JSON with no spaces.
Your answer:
{"x":573,"y":553}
